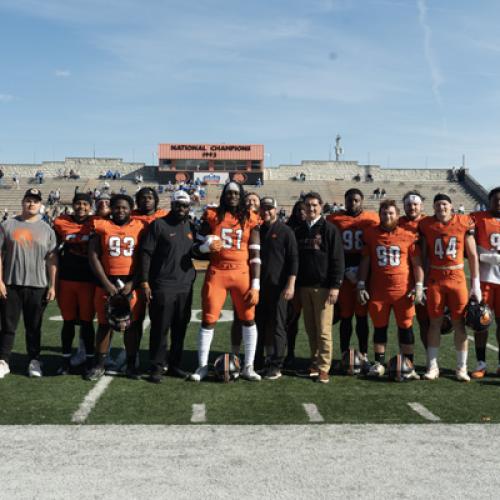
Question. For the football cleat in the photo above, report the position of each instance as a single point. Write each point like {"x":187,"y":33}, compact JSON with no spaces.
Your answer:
{"x":250,"y":374}
{"x":95,"y":374}
{"x":272,"y":373}
{"x":35,"y":369}
{"x":227,"y":367}
{"x":4,"y":368}
{"x":431,"y":374}
{"x":413,"y":375}
{"x":478,"y":315}
{"x":480,"y":370}
{"x":200,"y":373}
{"x":461,"y":375}
{"x":376,"y":370}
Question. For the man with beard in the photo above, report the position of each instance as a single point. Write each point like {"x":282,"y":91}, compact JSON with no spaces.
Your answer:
{"x":352,"y":222}
{"x":412,"y":203}
{"x":112,"y":257}
{"x":75,"y":295}
{"x":230,"y":235}
{"x":389,"y":253}
{"x":488,"y":246}
{"x":166,"y":275}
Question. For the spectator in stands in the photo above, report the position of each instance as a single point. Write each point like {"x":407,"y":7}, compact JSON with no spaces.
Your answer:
{"x":117,"y":175}
{"x":382,"y":193}
{"x":376,"y":193}
{"x":57,"y":195}
{"x":123,"y":190}
{"x":302,"y":177}
{"x":16,"y":179}
{"x":102,"y":175}
{"x":357,"y":178}
{"x":461,"y":174}
{"x":369,"y":178}
{"x":258,"y":183}
{"x":1,"y":177}
{"x":109,"y":174}
{"x":160,"y":189}
{"x":5,"y":214}
{"x":138,"y":179}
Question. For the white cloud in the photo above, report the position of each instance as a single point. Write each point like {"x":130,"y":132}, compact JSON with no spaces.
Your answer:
{"x":62,"y":73}
{"x":6,"y":97}
{"x":430,"y":56}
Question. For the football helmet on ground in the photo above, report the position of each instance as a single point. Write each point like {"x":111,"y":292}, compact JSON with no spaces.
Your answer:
{"x":227,"y":367}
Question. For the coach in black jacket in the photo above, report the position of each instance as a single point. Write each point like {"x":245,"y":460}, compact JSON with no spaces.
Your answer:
{"x":166,"y":276}
{"x":278,"y":252}
{"x":321,"y":269}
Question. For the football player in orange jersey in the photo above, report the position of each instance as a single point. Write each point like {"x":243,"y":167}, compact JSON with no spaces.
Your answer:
{"x":445,"y":237}
{"x":488,"y":247}
{"x":230,"y":234}
{"x":351,"y":223}
{"x":112,"y":256}
{"x":389,"y":253}
{"x":76,"y":283}
{"x":252,"y":202}
{"x":413,"y":207}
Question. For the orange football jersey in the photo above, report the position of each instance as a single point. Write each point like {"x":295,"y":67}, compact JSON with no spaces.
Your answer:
{"x":487,"y":231}
{"x":118,"y":244}
{"x":446,"y":241}
{"x":147,"y":219}
{"x":390,"y":253}
{"x":409,"y":224}
{"x":74,"y":235}
{"x":234,"y":238}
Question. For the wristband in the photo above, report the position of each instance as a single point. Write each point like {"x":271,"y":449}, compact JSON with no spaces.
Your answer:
{"x":419,"y":285}
{"x":361,"y":285}
{"x":256,"y":284}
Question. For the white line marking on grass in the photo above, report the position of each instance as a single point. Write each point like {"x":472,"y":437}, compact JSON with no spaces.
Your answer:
{"x":424,"y":412}
{"x":489,"y":346}
{"x":90,"y":400}
{"x":199,"y":414}
{"x":313,"y":412}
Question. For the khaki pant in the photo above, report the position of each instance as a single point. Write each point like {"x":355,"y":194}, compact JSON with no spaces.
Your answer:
{"x":318,"y":317}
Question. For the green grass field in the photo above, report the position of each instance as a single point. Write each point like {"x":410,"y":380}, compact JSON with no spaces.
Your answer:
{"x":54,"y":399}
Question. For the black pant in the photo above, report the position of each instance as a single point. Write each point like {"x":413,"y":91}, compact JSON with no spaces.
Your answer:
{"x":168,"y":310}
{"x":31,"y":301}
{"x":271,"y":319}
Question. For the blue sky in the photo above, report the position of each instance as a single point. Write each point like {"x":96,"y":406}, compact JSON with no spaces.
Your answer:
{"x":407,"y":83}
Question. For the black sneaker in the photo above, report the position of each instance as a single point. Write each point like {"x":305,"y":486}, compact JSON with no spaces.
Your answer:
{"x":155,"y":376}
{"x":273,"y":373}
{"x":95,"y":373}
{"x":132,"y":373}
{"x":64,"y":369}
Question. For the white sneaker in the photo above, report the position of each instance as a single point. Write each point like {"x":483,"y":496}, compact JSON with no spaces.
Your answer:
{"x":376,"y":370}
{"x":461,"y":375}
{"x":413,"y":375}
{"x":200,"y":373}
{"x":249,"y":373}
{"x":431,"y":374}
{"x":80,"y":356}
{"x":34,"y":368}
{"x":4,"y":368}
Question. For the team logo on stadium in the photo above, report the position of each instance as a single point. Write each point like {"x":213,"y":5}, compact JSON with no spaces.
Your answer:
{"x":181,"y":177}
{"x":240,"y":178}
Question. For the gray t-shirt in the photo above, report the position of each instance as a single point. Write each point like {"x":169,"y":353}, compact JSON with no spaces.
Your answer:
{"x":25,"y":247}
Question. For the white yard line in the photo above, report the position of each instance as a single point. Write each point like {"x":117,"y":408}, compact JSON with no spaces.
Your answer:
{"x":313,"y":412}
{"x":90,"y":400}
{"x":424,"y":412}
{"x":199,"y":414}
{"x":489,"y":346}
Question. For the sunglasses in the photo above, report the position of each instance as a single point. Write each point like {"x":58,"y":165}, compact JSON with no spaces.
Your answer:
{"x":182,"y":205}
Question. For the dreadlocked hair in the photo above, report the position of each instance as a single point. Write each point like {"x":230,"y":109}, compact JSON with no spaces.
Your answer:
{"x":241,"y":210}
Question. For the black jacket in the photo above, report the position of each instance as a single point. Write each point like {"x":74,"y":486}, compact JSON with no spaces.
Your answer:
{"x":165,"y":255}
{"x":321,"y":255}
{"x":278,"y":252}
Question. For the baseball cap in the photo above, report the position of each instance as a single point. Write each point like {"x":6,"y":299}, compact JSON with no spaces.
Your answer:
{"x":103,"y":196}
{"x":33,"y":193}
{"x":181,"y":196}
{"x":268,"y":201}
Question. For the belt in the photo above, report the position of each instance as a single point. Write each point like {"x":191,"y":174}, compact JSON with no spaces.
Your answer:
{"x":227,"y":266}
{"x":447,"y":268}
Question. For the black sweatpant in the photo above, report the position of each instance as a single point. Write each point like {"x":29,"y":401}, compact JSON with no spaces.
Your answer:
{"x":31,"y":302}
{"x":168,"y":310}
{"x":271,"y":319}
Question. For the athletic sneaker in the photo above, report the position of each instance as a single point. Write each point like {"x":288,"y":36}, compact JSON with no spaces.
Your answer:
{"x":311,"y":372}
{"x":4,"y":368}
{"x":200,"y":373}
{"x":461,"y":375}
{"x":431,"y":374}
{"x":480,"y":370}
{"x":34,"y":368}
{"x":132,"y":373}
{"x":248,"y":373}
{"x":413,"y":375}
{"x":376,"y":370}
{"x":79,"y":357}
{"x":155,"y":375}
{"x":323,"y":378}
{"x":95,"y":374}
{"x":272,"y":373}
